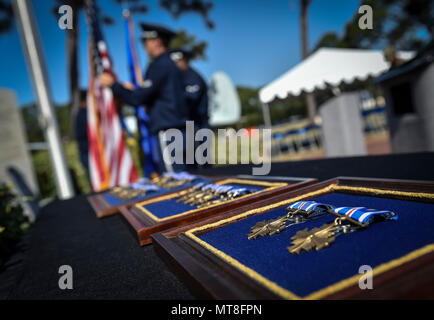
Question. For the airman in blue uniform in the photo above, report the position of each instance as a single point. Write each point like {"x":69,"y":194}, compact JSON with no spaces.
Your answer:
{"x":162,"y":90}
{"x":80,"y":131}
{"x":195,"y":89}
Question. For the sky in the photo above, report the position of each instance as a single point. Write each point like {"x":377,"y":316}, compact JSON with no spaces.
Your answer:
{"x":254,"y":41}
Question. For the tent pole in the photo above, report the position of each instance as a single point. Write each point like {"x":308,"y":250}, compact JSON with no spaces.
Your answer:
{"x":36,"y":65}
{"x":266,"y":114}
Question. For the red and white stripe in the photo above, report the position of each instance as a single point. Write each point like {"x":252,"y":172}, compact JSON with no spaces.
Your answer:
{"x":110,"y":162}
{"x":349,"y":212}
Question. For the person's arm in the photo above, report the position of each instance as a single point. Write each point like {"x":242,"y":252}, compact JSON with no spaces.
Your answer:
{"x":139,"y":96}
{"x":136,"y":97}
{"x":202,"y":108}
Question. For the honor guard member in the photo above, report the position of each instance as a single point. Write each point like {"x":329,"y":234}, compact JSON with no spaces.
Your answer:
{"x":162,"y":90}
{"x":81,"y":131}
{"x":195,"y":89}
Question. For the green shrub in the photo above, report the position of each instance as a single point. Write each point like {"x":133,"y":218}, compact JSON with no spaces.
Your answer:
{"x":44,"y":174}
{"x":13,"y":223}
{"x":76,"y":168}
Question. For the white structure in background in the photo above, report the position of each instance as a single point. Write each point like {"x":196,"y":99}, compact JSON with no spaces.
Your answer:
{"x":224,"y":107}
{"x":328,"y":67}
{"x":342,"y":126}
{"x":15,"y":162}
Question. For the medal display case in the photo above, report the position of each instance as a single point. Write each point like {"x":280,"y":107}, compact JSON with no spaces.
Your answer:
{"x":203,"y":200}
{"x":235,"y":257}
{"x":108,"y":202}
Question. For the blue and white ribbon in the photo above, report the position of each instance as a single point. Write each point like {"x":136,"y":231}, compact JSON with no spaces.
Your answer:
{"x":216,"y":187}
{"x":209,"y":186}
{"x":364,"y":215}
{"x":144,"y":180}
{"x":180,"y":176}
{"x":223,"y":189}
{"x":231,"y":190}
{"x":168,"y":174}
{"x":199,"y":185}
{"x":185,"y":176}
{"x":308,"y":206}
{"x":239,"y":191}
{"x":144,"y":187}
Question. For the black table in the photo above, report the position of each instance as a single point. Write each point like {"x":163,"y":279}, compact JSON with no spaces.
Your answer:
{"x":106,"y":259}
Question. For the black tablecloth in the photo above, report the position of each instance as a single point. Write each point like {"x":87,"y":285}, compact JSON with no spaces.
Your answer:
{"x":105,"y":257}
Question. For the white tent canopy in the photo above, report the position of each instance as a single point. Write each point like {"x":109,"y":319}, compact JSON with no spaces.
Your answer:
{"x":327,"y":66}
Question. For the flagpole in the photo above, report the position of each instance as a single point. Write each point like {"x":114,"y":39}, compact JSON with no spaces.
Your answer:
{"x":35,"y":61}
{"x":145,"y":140}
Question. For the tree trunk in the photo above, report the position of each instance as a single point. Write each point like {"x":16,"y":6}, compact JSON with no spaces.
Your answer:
{"x":304,"y":8}
{"x":310,"y":98}
{"x":73,"y":73}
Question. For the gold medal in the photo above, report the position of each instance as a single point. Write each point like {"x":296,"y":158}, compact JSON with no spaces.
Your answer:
{"x":317,"y":238}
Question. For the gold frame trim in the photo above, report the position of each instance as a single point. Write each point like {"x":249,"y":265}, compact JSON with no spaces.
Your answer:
{"x":338,"y":286}
{"x":271,"y":185}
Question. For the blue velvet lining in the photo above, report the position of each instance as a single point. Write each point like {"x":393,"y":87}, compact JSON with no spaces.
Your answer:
{"x":114,"y":201}
{"x":169,"y":207}
{"x":312,"y":271}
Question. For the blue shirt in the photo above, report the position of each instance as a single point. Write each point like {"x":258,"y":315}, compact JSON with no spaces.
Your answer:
{"x":162,"y":92}
{"x":196,"y":93}
{"x":81,"y":130}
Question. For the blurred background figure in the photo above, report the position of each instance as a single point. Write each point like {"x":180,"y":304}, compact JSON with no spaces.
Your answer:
{"x":162,"y":90}
{"x":80,"y":130}
{"x":195,"y":91}
{"x":195,"y":88}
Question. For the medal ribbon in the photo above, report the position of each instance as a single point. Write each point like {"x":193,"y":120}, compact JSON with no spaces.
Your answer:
{"x":365,"y":215}
{"x":145,"y":187}
{"x":309,"y":206}
{"x":180,"y":176}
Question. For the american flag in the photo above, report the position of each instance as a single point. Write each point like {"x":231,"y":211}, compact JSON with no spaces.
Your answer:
{"x":110,"y":162}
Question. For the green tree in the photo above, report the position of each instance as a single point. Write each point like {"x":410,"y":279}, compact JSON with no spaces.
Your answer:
{"x":189,"y":42}
{"x":283,"y":110}
{"x":304,"y":9}
{"x":250,"y":106}
{"x":6,"y":17}
{"x":31,"y":120}
{"x":280,"y":110}
{"x":179,"y":7}
{"x":395,"y":23}
{"x":41,"y":158}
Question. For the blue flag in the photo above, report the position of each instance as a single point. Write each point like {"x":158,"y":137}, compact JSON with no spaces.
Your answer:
{"x":146,"y":141}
